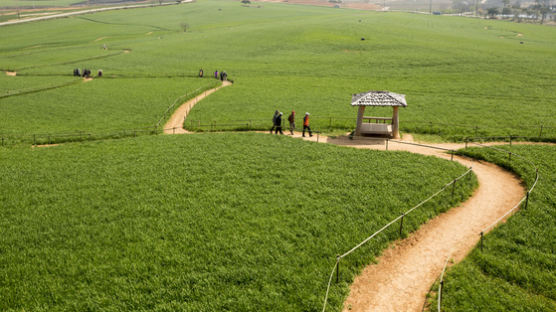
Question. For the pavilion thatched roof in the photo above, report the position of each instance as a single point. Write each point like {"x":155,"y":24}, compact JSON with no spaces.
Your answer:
{"x":378,"y":98}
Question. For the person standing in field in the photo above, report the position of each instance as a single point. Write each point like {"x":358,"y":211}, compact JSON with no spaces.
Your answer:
{"x":279,"y":124}
{"x":306,"y":125}
{"x":291,"y":119}
{"x":216,"y":74}
{"x":276,"y":114}
{"x":201,"y":73}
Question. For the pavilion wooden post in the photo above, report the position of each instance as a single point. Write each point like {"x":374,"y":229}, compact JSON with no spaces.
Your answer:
{"x":395,"y":124}
{"x":360,"y":113}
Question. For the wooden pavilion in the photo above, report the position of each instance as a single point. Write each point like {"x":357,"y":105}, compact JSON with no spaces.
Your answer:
{"x":382,"y":126}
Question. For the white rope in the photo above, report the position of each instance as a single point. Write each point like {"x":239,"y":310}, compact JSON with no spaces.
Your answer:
{"x":329,"y":282}
{"x":382,"y":229}
{"x":493,"y":224}
{"x":440,"y":284}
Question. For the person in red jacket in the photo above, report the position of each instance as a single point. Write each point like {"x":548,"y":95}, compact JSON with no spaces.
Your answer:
{"x":306,"y":125}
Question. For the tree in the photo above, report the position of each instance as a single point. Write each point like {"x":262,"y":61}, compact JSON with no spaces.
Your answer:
{"x":492,"y":12}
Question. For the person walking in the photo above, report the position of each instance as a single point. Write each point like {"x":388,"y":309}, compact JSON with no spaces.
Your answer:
{"x":291,"y":119}
{"x":306,"y":125}
{"x":276,"y":114}
{"x":279,"y":124}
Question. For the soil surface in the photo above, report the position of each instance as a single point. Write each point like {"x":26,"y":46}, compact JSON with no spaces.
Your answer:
{"x":175,"y":123}
{"x":10,"y":73}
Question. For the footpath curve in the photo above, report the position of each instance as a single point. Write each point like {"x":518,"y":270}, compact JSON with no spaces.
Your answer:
{"x":406,"y":270}
{"x":404,"y":273}
{"x":175,"y":122}
{"x":43,"y":18}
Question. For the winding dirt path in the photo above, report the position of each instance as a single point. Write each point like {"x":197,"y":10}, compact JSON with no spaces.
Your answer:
{"x":406,"y":270}
{"x":88,"y":11}
{"x":175,"y":123}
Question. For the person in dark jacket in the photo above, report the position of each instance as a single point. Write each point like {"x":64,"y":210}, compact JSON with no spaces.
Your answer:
{"x":306,"y":125}
{"x":276,"y":114}
{"x":291,"y":119}
{"x":279,"y":124}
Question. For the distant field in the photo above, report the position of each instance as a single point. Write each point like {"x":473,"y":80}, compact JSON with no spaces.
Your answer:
{"x":461,"y":76}
{"x":211,"y":222}
{"x":101,"y":104}
{"x":517,"y":269}
{"x":65,"y":3}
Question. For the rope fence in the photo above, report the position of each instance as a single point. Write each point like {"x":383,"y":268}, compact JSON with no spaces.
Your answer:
{"x":453,"y":131}
{"x":441,"y":284}
{"x":523,"y":201}
{"x":400,"y":218}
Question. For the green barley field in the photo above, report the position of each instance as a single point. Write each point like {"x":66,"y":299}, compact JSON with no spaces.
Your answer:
{"x":461,"y":76}
{"x":516,"y":271}
{"x":251,"y":222}
{"x":207,"y":222}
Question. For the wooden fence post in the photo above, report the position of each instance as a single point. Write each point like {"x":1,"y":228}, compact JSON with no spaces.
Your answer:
{"x":387,"y":143}
{"x":482,"y":236}
{"x":401,"y":224}
{"x":527,"y":200}
{"x":540,"y":133}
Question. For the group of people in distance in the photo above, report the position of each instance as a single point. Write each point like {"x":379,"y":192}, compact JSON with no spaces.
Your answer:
{"x":277,"y":123}
{"x":222,"y":75}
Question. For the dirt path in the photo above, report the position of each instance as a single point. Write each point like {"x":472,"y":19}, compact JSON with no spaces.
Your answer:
{"x":175,"y":123}
{"x":407,"y":269}
{"x":42,"y":18}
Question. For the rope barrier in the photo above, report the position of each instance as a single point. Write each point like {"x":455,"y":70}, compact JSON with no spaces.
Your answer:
{"x":329,"y":282}
{"x":524,"y":198}
{"x":338,"y":258}
{"x":441,"y":284}
{"x":506,"y":214}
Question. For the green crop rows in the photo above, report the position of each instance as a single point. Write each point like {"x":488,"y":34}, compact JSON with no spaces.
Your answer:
{"x":461,"y":76}
{"x":212,"y":222}
{"x":516,"y":271}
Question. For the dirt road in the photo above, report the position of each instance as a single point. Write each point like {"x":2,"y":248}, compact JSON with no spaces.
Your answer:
{"x":175,"y":123}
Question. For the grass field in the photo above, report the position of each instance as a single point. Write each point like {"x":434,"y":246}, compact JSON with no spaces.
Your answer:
{"x":516,"y":271}
{"x":64,"y":3}
{"x":211,"y":222}
{"x":101,"y":104}
{"x":466,"y":76}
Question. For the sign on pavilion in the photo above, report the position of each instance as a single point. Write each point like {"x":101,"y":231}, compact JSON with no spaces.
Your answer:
{"x":383,"y":126}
